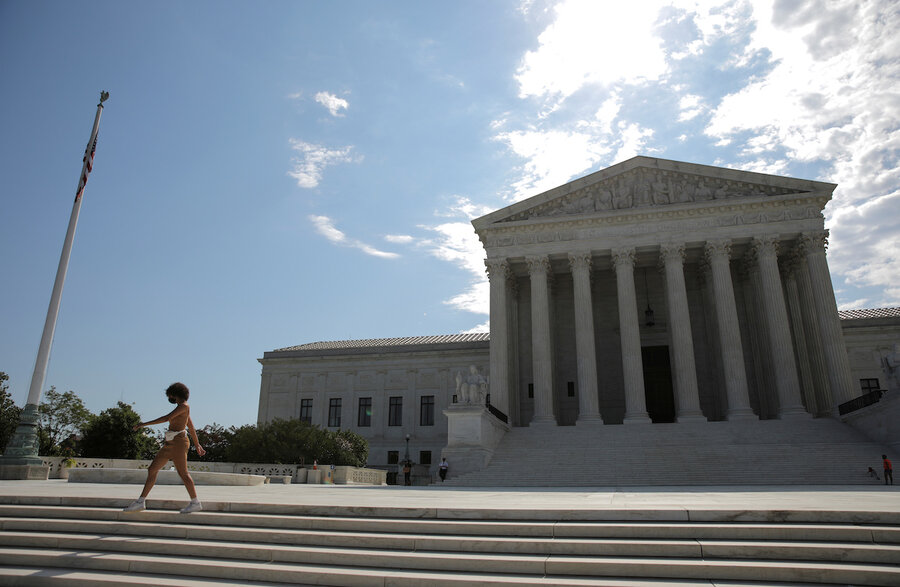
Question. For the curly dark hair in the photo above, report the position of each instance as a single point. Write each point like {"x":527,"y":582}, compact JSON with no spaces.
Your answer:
{"x":179,"y":390}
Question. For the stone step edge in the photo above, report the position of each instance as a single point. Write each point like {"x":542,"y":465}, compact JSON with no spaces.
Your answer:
{"x":477,"y":552}
{"x":41,"y":577}
{"x":850,"y":535}
{"x":727,"y":570}
{"x":685,"y":514}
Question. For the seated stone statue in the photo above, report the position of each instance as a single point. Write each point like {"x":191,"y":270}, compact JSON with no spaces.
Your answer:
{"x":471,"y":388}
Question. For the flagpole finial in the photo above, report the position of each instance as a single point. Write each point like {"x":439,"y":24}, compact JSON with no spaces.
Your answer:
{"x":104,"y":96}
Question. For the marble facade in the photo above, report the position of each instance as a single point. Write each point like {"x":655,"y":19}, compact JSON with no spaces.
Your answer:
{"x":650,"y":291}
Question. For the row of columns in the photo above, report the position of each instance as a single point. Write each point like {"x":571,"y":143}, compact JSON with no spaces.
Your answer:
{"x":816,"y":323}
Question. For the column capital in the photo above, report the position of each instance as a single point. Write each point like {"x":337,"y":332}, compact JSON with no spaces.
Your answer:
{"x":717,"y":249}
{"x":671,"y":252}
{"x":623,"y":257}
{"x":580,"y":261}
{"x":538,"y":265}
{"x":497,"y":267}
{"x":765,"y":246}
{"x":814,"y":242}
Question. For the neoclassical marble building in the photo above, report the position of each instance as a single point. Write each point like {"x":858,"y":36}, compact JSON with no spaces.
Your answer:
{"x":664,"y":291}
{"x":652,"y":291}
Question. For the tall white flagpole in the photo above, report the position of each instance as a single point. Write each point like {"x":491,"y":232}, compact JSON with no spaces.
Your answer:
{"x":24,"y":445}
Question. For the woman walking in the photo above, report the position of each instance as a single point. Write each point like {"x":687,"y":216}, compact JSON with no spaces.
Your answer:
{"x":175,"y":448}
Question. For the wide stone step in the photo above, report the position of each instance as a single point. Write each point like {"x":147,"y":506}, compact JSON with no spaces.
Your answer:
{"x":552,"y":567}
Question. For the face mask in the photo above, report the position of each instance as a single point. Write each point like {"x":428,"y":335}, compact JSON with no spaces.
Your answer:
{"x":172,"y":400}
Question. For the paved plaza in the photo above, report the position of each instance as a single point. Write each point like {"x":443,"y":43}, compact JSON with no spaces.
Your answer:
{"x":538,"y":502}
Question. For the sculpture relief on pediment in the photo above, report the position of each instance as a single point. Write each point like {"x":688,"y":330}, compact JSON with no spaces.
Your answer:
{"x":643,"y":187}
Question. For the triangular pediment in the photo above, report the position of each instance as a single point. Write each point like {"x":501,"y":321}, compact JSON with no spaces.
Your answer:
{"x":647,"y":182}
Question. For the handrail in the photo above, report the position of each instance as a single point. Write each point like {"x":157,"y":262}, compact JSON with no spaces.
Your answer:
{"x":873,"y":397}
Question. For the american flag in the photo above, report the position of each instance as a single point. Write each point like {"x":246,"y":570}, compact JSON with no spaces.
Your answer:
{"x":86,"y":169}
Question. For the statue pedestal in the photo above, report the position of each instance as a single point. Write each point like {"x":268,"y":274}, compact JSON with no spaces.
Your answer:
{"x":472,"y":435}
{"x":24,"y":472}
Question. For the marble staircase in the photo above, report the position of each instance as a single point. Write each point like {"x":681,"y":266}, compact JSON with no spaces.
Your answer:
{"x":82,"y":541}
{"x":820,"y":451}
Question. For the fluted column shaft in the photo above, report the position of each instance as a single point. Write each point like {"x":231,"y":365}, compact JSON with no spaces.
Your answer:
{"x":632,"y":364}
{"x":687,"y":397}
{"x":588,"y":401}
{"x":781,"y":349}
{"x":542,"y":369}
{"x":718,"y":254}
{"x":813,"y":339}
{"x":836,"y":361}
{"x":498,"y":273}
{"x":789,"y":277}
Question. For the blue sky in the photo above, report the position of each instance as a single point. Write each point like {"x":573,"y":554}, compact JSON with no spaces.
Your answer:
{"x":276,"y":173}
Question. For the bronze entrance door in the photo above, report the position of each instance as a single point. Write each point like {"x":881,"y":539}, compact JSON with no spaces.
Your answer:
{"x":658,"y":384}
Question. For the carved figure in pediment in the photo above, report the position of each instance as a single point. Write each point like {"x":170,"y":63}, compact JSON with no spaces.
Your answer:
{"x":579,"y":205}
{"x":622,"y":198}
{"x":681,"y":191}
{"x":604,"y":198}
{"x":642,"y":192}
{"x":721,"y":192}
{"x":660,"y":190}
{"x":703,"y":191}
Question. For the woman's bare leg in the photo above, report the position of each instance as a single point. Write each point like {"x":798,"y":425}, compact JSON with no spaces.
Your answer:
{"x":180,"y":461}
{"x":159,"y":461}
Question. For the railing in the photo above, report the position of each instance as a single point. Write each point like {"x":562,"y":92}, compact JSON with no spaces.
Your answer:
{"x":873,"y":397}
{"x":497,"y":413}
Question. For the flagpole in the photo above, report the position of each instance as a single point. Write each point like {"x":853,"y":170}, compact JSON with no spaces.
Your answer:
{"x":23,"y":447}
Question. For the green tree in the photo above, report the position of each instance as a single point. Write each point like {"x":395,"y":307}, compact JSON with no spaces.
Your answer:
{"x":293,"y":441}
{"x":215,"y":439}
{"x":110,"y":435}
{"x":62,"y":416}
{"x":9,"y":412}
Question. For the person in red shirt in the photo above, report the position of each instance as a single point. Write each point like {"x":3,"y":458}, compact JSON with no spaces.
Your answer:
{"x":888,"y":470}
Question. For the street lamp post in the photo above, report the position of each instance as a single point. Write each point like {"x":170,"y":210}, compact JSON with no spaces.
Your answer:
{"x":406,"y":457}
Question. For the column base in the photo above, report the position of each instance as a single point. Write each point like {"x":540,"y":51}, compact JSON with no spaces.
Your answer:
{"x":542,"y":421}
{"x":589,"y":420}
{"x":637,"y":419}
{"x":794,"y":414}
{"x":691,"y":417}
{"x":741,"y":414}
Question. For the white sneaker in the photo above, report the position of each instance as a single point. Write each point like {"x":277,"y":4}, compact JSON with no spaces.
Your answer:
{"x":194,"y":506}
{"x":136,"y":506}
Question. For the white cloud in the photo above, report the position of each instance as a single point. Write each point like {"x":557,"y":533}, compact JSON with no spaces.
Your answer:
{"x":400,"y":239}
{"x":634,"y":139}
{"x":691,"y":107}
{"x":465,"y":207}
{"x":552,"y":157}
{"x":325,"y":226}
{"x":592,"y":42}
{"x":332,"y":103}
{"x":313,"y":159}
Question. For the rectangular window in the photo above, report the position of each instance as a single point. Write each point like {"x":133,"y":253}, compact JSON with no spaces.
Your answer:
{"x":570,"y":388}
{"x":395,"y":412}
{"x":364,"y":419}
{"x":868,"y":385}
{"x":424,"y":457}
{"x":306,"y":411}
{"x":531,"y":391}
{"x":426,"y":411}
{"x":334,"y":412}
{"x":393,"y":457}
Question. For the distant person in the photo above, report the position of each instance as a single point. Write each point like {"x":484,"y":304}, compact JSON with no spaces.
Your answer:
{"x":873,"y":473}
{"x":443,"y":469}
{"x":175,"y":448}
{"x":407,"y":473}
{"x":888,"y":469}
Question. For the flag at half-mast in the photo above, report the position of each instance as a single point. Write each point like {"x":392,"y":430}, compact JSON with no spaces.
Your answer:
{"x":88,"y":165}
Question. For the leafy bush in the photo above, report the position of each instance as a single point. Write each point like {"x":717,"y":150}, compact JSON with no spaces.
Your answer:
{"x":111,"y":436}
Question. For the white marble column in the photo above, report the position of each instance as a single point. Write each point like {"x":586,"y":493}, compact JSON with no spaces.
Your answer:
{"x":781,"y":347}
{"x":541,"y":341}
{"x":629,"y":331}
{"x":792,"y":297}
{"x":718,"y":255}
{"x":687,"y":396}
{"x":588,"y":400}
{"x":498,"y":273}
{"x":813,"y":339}
{"x":836,"y":362}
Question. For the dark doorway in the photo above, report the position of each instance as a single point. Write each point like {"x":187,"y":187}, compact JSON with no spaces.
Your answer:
{"x":658,"y":384}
